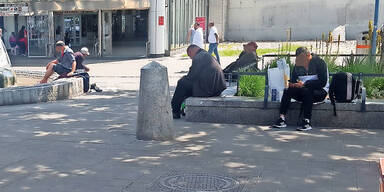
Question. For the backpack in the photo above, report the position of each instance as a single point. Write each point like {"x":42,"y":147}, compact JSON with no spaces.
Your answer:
{"x":344,"y":88}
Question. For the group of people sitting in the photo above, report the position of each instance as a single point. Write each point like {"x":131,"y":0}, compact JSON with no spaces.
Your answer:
{"x":68,"y":64}
{"x":206,"y":79}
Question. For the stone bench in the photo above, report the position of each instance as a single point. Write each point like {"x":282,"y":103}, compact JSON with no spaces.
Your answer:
{"x":246,"y":110}
{"x":57,"y":90}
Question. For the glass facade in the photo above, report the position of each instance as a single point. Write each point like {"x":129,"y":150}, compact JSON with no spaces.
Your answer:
{"x":182,"y":14}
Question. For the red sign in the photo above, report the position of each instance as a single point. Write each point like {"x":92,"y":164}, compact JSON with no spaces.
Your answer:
{"x":161,"y":20}
{"x":201,"y":21}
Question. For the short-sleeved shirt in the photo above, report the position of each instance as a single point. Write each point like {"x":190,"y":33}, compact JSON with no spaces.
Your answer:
{"x":211,"y":36}
{"x":79,"y":60}
{"x":198,"y":38}
{"x":67,"y":58}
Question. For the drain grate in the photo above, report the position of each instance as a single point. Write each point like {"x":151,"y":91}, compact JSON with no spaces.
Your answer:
{"x":197,"y":182}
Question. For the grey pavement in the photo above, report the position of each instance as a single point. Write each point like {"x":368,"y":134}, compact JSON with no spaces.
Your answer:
{"x":89,"y":144}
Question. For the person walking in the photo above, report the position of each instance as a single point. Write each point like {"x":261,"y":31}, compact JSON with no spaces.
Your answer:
{"x":213,"y":40}
{"x":198,"y":38}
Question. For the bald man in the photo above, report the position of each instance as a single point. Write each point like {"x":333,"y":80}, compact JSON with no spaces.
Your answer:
{"x":205,"y":78}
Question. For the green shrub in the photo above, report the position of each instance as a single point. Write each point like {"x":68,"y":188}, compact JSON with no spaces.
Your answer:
{"x":375,"y":88}
{"x":251,"y":86}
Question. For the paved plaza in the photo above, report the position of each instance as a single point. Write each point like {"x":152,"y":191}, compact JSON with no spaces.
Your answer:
{"x":88,"y":144}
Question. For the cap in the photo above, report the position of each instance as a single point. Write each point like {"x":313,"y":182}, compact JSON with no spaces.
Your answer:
{"x":60,"y":43}
{"x":251,"y":44}
{"x":84,"y":51}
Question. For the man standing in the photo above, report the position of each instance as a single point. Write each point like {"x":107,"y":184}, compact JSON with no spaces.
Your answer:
{"x":213,"y":39}
{"x":205,"y":78}
{"x":66,"y":63}
{"x":308,"y":84}
{"x":198,"y":38}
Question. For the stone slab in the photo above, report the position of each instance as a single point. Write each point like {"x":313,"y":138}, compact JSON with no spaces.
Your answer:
{"x":245,"y":110}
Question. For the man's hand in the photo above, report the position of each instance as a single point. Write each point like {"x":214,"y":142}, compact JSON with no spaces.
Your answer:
{"x":299,"y":84}
{"x":70,"y":74}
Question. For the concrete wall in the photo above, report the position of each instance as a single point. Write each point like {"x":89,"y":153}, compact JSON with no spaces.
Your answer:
{"x":268,"y":20}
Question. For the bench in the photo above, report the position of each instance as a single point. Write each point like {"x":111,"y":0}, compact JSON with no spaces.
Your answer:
{"x":248,"y":110}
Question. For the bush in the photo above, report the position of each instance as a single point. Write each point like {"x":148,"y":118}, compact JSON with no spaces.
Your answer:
{"x":375,"y":89}
{"x":251,"y":86}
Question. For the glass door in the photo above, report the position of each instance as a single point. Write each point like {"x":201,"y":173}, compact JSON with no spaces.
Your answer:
{"x":72,"y":30}
{"x":37,"y":35}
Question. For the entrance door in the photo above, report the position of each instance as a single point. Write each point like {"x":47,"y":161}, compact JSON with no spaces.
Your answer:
{"x":38,"y":36}
{"x":72,"y":30}
{"x":107,"y":33}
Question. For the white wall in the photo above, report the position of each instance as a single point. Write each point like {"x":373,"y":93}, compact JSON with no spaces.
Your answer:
{"x":269,"y":19}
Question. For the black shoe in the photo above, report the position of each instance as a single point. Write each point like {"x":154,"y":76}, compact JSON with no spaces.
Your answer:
{"x":176,"y":115}
{"x":96,"y":88}
{"x":306,"y":125}
{"x":280,"y":123}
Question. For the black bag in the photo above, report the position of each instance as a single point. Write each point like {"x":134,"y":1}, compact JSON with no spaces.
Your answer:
{"x":85,"y":77}
{"x":344,"y":88}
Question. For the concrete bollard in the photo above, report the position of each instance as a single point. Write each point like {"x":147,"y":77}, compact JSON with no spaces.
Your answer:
{"x":154,"y":120}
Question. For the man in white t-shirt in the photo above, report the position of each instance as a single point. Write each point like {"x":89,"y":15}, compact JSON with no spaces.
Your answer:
{"x":213,"y":39}
{"x":198,"y":38}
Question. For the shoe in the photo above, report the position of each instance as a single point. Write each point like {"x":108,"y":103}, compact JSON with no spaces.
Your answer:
{"x":306,"y":125}
{"x":280,"y":123}
{"x":176,"y":115}
{"x":96,"y":88}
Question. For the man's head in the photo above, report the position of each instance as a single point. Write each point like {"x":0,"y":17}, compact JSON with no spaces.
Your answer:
{"x":303,"y":56}
{"x":196,"y":25}
{"x":60,"y":46}
{"x":84,"y":51}
{"x":250,"y":47}
{"x":211,"y":24}
{"x":192,"y":50}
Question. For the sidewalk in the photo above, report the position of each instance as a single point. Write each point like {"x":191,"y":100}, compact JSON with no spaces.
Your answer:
{"x":89,"y":144}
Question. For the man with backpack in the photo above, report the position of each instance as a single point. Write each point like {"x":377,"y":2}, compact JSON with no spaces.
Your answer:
{"x":308,"y":84}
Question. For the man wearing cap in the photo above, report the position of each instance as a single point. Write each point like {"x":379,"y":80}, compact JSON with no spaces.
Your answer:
{"x":80,"y":57}
{"x":213,"y":39}
{"x":247,"y":56}
{"x":65,"y":64}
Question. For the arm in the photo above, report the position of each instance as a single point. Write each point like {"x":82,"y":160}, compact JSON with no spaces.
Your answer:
{"x":217,"y":38}
{"x":197,"y":66}
{"x":73,"y":69}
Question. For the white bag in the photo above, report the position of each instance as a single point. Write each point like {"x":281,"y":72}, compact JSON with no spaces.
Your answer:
{"x":276,"y":78}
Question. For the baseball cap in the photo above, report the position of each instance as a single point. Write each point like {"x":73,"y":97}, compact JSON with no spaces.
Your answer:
{"x":84,"y":51}
{"x":251,"y":44}
{"x":60,"y":43}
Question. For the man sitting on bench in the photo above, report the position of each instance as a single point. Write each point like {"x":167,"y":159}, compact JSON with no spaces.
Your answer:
{"x":65,"y":64}
{"x":247,"y":57}
{"x":308,"y":84}
{"x":205,"y":78}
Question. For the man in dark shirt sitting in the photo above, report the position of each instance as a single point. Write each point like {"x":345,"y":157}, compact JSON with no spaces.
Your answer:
{"x":308,"y":84}
{"x":82,"y":69}
{"x":205,"y":78}
{"x":247,"y":57}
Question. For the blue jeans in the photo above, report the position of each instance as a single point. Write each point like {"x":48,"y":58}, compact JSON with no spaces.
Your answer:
{"x":213,"y":49}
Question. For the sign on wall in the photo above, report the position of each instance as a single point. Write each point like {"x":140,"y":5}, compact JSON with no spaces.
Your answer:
{"x":201,"y":21}
{"x":10,"y":9}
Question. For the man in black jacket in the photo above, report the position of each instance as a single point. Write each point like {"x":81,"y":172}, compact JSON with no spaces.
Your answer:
{"x":204,"y":79}
{"x":308,"y":84}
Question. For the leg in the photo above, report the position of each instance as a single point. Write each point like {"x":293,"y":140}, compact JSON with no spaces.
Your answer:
{"x":183,"y":91}
{"x":286,"y":99}
{"x":216,"y":51}
{"x":48,"y":73}
{"x":211,"y":48}
{"x":309,"y":97}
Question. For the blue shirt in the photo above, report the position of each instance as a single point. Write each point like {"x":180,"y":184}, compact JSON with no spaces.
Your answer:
{"x":67,"y":58}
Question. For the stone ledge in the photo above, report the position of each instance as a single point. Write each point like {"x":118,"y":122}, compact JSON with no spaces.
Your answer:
{"x":245,"y":110}
{"x":58,"y":90}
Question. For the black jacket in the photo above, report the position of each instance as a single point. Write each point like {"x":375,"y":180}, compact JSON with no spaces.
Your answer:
{"x":317,"y":66}
{"x":206,"y":75}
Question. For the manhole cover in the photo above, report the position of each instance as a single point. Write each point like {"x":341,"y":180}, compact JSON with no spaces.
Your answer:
{"x":197,"y":182}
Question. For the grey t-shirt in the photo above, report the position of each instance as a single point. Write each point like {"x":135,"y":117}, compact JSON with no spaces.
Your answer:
{"x":67,"y":58}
